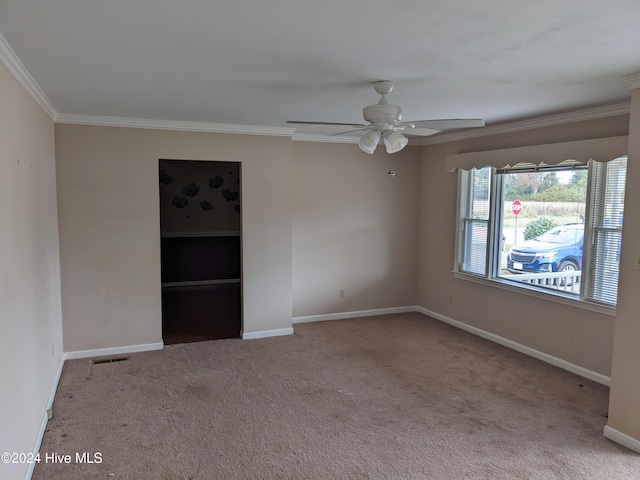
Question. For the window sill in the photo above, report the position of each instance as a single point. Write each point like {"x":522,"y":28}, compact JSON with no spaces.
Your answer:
{"x":542,"y":294}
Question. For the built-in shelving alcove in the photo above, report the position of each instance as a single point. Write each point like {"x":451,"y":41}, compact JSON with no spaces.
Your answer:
{"x":200,"y":249}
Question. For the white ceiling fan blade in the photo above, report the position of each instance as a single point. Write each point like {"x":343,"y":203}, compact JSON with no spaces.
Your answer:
{"x":300,"y":122}
{"x":449,"y":123}
{"x":420,"y":132}
{"x":349,"y":131}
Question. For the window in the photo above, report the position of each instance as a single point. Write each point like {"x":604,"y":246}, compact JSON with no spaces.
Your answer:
{"x":554,"y":229}
{"x":474,"y":217}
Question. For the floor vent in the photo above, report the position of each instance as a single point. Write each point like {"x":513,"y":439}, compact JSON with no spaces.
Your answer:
{"x":110,"y":360}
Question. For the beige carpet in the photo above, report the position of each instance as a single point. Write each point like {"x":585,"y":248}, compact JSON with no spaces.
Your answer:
{"x":388,"y":397}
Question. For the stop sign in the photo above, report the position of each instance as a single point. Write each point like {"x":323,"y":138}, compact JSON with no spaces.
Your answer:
{"x":516,"y":207}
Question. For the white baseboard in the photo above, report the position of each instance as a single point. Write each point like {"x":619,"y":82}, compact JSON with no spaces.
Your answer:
{"x":36,"y":448}
{"x":71,"y":356}
{"x":52,"y":395}
{"x":558,"y":362}
{"x":622,"y":438}
{"x":102,"y":352}
{"x":355,"y":314}
{"x":45,"y":419}
{"x":267,"y":333}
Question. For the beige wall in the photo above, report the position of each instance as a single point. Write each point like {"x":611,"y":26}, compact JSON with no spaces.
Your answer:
{"x":30,"y":314}
{"x":575,"y":335}
{"x":624,"y":414}
{"x":108,"y":202}
{"x":354,"y":228}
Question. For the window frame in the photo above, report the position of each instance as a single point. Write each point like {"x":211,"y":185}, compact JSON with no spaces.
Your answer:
{"x":491,"y":275}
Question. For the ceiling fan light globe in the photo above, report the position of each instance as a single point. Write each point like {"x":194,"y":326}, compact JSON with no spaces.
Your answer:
{"x":369,"y":142}
{"x":395,"y":141}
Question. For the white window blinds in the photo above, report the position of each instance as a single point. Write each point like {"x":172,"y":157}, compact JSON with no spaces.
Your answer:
{"x":474,"y":208}
{"x":606,"y":205}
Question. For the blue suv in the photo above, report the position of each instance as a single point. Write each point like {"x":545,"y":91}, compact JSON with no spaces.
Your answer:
{"x":558,"y":250}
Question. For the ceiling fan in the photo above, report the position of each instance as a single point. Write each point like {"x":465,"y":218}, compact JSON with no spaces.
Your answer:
{"x":385,"y":123}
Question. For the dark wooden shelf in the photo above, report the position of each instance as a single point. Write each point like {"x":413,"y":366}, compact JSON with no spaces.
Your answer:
{"x":201,"y":286}
{"x":232,"y":233}
{"x":189,"y":259}
{"x":197,"y":283}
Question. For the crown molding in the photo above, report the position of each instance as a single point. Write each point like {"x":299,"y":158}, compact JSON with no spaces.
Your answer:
{"x":551,"y":120}
{"x":14,"y":66}
{"x":548,"y":121}
{"x":312,"y":137}
{"x":172,"y":125}
{"x":633,"y":79}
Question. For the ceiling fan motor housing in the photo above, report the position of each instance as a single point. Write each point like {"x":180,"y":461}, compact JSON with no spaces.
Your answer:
{"x":384,"y":117}
{"x":385,"y":120}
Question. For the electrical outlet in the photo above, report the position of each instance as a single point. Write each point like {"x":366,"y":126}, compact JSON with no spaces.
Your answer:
{"x":341,"y":294}
{"x":637,"y":265}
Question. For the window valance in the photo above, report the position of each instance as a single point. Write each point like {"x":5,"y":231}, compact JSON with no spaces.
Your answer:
{"x":553,"y":154}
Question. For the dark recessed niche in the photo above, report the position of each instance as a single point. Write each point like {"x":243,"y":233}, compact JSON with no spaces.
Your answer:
{"x":200,"y":251}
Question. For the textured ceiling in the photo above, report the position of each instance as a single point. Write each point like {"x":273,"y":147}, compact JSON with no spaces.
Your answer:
{"x":250,"y":62}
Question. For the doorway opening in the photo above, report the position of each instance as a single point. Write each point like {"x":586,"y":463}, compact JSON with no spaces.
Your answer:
{"x":200,"y":225}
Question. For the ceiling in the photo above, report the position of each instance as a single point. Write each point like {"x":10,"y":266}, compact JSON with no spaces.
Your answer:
{"x":257,"y":63}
